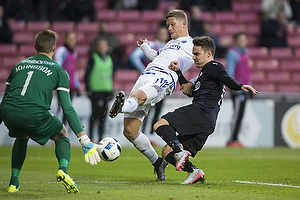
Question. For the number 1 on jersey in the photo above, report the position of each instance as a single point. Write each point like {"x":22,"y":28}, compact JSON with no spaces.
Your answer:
{"x":26,"y":82}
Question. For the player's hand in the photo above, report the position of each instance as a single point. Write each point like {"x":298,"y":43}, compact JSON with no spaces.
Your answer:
{"x":142,"y":41}
{"x":90,"y":152}
{"x":187,"y":89}
{"x":249,"y":88}
{"x":174,"y":66}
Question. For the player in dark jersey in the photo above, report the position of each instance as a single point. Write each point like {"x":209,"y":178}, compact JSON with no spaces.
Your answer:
{"x":195,"y":122}
{"x":25,"y":111}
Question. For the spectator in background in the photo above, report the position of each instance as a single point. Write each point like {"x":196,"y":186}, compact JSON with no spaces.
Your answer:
{"x":237,"y":68}
{"x":139,"y":60}
{"x":295,"y":4}
{"x":271,"y":8}
{"x":274,"y":32}
{"x":5,"y":32}
{"x":99,"y":85}
{"x":66,"y":57}
{"x":81,"y":10}
{"x":196,"y":23}
{"x":114,"y":44}
{"x":124,"y":4}
{"x":221,"y":48}
{"x":148,"y":5}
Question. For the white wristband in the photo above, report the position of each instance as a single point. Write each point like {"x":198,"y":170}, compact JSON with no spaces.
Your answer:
{"x":84,"y":139}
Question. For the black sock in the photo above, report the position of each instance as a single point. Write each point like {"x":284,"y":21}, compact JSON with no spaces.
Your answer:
{"x":157,"y":162}
{"x":170,"y":158}
{"x":168,"y":134}
{"x":188,"y":166}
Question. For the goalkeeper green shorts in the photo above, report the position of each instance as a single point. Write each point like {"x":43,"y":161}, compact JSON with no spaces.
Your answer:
{"x":39,"y":129}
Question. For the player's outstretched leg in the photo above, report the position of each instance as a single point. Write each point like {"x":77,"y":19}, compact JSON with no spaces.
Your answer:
{"x":67,"y":181}
{"x":180,"y":158}
{"x":159,"y":169}
{"x":117,"y":105}
{"x":194,"y":177}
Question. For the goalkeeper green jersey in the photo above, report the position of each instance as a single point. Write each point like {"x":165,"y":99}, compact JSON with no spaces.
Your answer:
{"x":31,"y":84}
{"x":30,"y":88}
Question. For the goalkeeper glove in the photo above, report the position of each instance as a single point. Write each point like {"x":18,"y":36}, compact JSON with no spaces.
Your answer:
{"x":91,"y":154}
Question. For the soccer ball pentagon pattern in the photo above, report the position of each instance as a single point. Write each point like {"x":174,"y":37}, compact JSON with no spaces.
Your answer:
{"x":109,"y":149}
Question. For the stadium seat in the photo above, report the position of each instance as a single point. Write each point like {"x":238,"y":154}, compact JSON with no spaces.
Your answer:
{"x":37,"y":26}
{"x":82,"y":50}
{"x":23,"y":38}
{"x":127,"y":39}
{"x":267,"y":64}
{"x":27,"y":50}
{"x":166,"y":5}
{"x":17,"y":25}
{"x":82,"y":62}
{"x":8,"y":62}
{"x":241,"y":7}
{"x":207,"y":16}
{"x":257,"y":76}
{"x":257,"y":52}
{"x":281,"y":53}
{"x":106,"y":15}
{"x":8,"y":49}
{"x":265,"y":87}
{"x":126,"y":75}
{"x":116,"y":27}
{"x":249,"y":17}
{"x":4,"y":75}
{"x":233,"y":28}
{"x":223,"y":17}
{"x":278,"y":77}
{"x":290,"y":65}
{"x":129,"y":15}
{"x":137,"y":27}
{"x":296,"y":77}
{"x":294,"y":40}
{"x":88,"y":27}
{"x":63,"y":26}
{"x":152,"y":15}
{"x":297,"y":52}
{"x":253,"y":29}
{"x":100,"y":5}
{"x":288,"y":88}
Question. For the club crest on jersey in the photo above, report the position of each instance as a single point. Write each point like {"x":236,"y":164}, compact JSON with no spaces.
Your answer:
{"x":197,"y":86}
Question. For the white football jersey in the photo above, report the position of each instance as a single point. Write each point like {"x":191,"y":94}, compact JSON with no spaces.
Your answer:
{"x":179,"y":49}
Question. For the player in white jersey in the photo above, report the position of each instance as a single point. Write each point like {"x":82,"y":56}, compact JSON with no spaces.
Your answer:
{"x":155,"y":83}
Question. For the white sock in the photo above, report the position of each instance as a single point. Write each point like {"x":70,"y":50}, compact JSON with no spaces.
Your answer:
{"x":130,"y":105}
{"x":142,"y":143}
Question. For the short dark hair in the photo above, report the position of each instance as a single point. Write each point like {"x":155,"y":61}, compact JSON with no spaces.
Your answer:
{"x":178,"y":14}
{"x":235,"y":37}
{"x":45,"y":41}
{"x":206,"y":42}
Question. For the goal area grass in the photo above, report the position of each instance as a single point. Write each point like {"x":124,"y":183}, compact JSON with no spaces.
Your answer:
{"x":249,"y":173}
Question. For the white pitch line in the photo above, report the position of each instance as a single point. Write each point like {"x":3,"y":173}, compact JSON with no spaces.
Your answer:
{"x":270,"y":184}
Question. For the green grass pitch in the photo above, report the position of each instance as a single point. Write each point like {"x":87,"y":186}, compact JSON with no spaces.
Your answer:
{"x":230,"y":174}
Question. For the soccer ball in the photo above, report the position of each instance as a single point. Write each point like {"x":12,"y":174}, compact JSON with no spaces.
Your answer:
{"x":109,"y":149}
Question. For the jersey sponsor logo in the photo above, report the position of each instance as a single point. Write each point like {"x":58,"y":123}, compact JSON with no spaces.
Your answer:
{"x":172,"y":46}
{"x":37,"y":62}
{"x":46,"y":70}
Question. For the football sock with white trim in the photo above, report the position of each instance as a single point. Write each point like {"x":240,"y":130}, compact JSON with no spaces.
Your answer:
{"x":130,"y":105}
{"x":142,"y":143}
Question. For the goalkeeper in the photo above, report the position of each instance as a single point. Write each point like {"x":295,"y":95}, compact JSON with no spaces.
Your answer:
{"x":25,"y":111}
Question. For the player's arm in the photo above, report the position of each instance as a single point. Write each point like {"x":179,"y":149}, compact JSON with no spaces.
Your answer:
{"x":146,"y":48}
{"x":186,"y":87}
{"x":89,"y":149}
{"x":233,"y":84}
